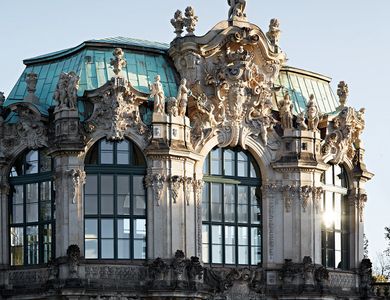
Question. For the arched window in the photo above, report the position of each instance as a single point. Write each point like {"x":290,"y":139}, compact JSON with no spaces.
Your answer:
{"x":115,"y":202}
{"x":335,"y":229}
{"x":231,"y":205}
{"x":31,"y":209}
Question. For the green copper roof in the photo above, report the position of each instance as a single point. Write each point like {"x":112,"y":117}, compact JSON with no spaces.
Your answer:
{"x":301,"y":84}
{"x":91,"y":61}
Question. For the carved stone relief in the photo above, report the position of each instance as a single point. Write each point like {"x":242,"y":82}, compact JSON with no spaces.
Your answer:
{"x":78,"y":180}
{"x":306,"y":193}
{"x":289,"y":193}
{"x":176,"y":183}
{"x":116,"y":110}
{"x":231,"y":87}
{"x":317,"y":197}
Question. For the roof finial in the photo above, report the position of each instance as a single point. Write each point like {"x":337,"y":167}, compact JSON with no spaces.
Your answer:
{"x":190,"y":20}
{"x":31,"y":81}
{"x":118,"y":62}
{"x":178,"y":22}
{"x":342,"y":92}
{"x":237,"y":10}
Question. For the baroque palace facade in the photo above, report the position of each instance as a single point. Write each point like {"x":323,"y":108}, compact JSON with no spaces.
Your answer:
{"x":203,"y":169}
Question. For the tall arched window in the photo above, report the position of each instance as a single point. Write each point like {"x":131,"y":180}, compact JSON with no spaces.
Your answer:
{"x":115,"y":202}
{"x":31,"y":209}
{"x":335,"y":229}
{"x":231,"y":205}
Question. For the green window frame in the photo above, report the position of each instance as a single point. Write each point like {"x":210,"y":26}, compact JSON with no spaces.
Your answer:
{"x":335,"y":229}
{"x":31,"y":210}
{"x":231,"y":209}
{"x":115,"y":202}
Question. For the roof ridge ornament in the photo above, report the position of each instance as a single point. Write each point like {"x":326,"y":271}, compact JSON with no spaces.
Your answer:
{"x":273,"y":33}
{"x":118,"y":62}
{"x":237,"y":10}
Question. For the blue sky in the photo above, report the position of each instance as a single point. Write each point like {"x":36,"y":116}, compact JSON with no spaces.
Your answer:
{"x":346,"y":40}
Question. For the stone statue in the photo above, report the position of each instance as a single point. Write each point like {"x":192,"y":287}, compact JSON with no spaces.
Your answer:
{"x":273,"y":33}
{"x":342,"y":92}
{"x":118,"y":62}
{"x":190,"y":20}
{"x":301,"y":121}
{"x":178,"y":22}
{"x":312,"y":115}
{"x":2,"y":98}
{"x":172,"y":107}
{"x":237,"y":8}
{"x":158,"y":94}
{"x":285,"y":109}
{"x":182,"y":97}
{"x":31,"y":81}
{"x":66,"y":90}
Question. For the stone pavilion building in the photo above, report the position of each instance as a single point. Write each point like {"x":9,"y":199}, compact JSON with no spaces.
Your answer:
{"x":203,"y":169}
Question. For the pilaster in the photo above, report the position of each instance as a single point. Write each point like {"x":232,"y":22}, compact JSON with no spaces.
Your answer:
{"x":4,"y":233}
{"x":173,"y":190}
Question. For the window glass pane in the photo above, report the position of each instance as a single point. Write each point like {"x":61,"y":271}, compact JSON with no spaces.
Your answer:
{"x":91,"y":229}
{"x":230,"y":242}
{"x":338,"y":262}
{"x":32,"y":202}
{"x":91,"y":207}
{"x":242,"y":210}
{"x":107,"y":184}
{"x":229,"y":163}
{"x":31,"y":162}
{"x":16,"y":240}
{"x":123,"y":248}
{"x":205,"y":244}
{"x":106,"y":146}
{"x":206,"y":163}
{"x":123,"y":228}
{"x":216,"y":202}
{"x":216,"y":240}
{"x":107,"y":248}
{"x":255,"y":207}
{"x":107,"y":228}
{"x":205,"y":202}
{"x":123,"y":184}
{"x":139,"y":196}
{"x":123,"y":204}
{"x":91,"y":234}
{"x":45,"y":205}
{"x":91,"y":184}
{"x":229,"y":198}
{"x":107,"y":204}
{"x":122,"y":154}
{"x":47,"y":243}
{"x":106,"y":152}
{"x":337,"y":175}
{"x":32,"y":245}
{"x":242,"y":164}
{"x":243,"y":245}
{"x":255,"y":246}
{"x":337,"y":211}
{"x":139,"y":239}
{"x":216,"y":161}
{"x":17,"y":207}
{"x":45,"y":162}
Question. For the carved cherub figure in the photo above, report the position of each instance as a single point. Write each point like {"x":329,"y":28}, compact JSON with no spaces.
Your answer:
{"x":158,"y":94}
{"x":182,"y":97}
{"x":73,"y":86}
{"x":285,"y":109}
{"x":301,"y":121}
{"x":237,"y":8}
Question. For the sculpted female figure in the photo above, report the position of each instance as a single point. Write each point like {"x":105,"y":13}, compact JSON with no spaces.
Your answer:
{"x":158,"y":94}
{"x":182,"y":97}
{"x":237,"y":8}
{"x":285,"y":109}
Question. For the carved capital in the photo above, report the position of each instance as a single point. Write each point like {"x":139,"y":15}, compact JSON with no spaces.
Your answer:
{"x":176,"y":184}
{"x":289,"y":193}
{"x":317,"y":196}
{"x":156,"y":182}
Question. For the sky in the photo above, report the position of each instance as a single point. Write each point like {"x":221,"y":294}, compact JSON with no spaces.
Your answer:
{"x":344,"y":39}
